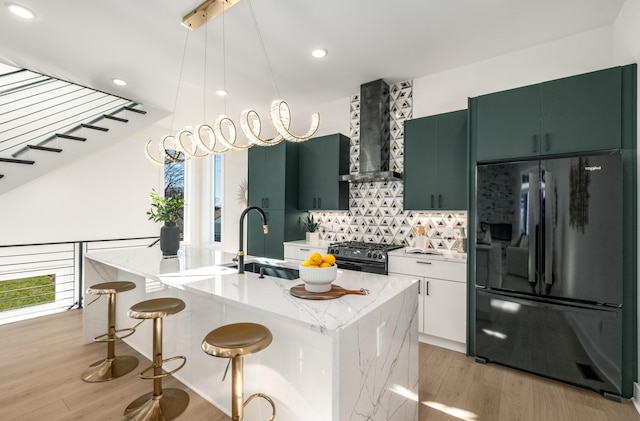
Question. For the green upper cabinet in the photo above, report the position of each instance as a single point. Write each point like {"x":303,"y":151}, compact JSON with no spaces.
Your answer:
{"x":267,"y":172}
{"x":508,"y":123}
{"x":322,"y":161}
{"x":273,"y":186}
{"x":435,"y":162}
{"x":582,"y":113}
{"x":574,"y":114}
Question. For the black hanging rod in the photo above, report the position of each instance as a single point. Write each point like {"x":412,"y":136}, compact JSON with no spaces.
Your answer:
{"x":17,"y":161}
{"x":135,"y":110}
{"x":68,"y":136}
{"x":92,"y":127}
{"x":112,"y":117}
{"x":44,"y":148}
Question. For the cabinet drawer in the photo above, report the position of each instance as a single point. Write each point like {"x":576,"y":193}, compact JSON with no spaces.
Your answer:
{"x":301,"y":252}
{"x":429,"y":268}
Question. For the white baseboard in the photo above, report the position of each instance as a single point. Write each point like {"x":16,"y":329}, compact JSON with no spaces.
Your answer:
{"x":636,"y":396}
{"x":443,"y":343}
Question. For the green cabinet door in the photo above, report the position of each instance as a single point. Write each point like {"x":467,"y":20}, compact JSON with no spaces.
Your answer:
{"x":452,"y":161}
{"x":508,"y":124}
{"x":273,"y":186}
{"x":256,"y":176}
{"x":435,"y":162}
{"x":420,"y":163}
{"x":582,"y":113}
{"x":267,"y":166}
{"x":266,"y":245}
{"x":322,"y":161}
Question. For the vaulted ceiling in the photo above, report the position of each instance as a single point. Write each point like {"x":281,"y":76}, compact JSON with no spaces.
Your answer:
{"x":143,"y":42}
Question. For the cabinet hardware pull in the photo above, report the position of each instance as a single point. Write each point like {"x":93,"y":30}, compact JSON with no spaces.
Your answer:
{"x":535,"y":143}
{"x":314,"y":203}
{"x":304,"y":249}
{"x":319,"y":202}
{"x":547,"y":142}
{"x":427,"y":287}
{"x":419,"y":287}
{"x":432,"y":201}
{"x":267,"y":199}
{"x":422,"y":262}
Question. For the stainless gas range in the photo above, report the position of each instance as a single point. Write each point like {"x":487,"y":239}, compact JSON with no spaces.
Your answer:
{"x":361,"y":256}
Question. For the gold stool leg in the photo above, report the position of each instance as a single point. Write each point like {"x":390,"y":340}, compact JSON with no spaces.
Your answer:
{"x":159,"y":405}
{"x":112,"y":367}
{"x":237,"y":388}
{"x":237,"y":392}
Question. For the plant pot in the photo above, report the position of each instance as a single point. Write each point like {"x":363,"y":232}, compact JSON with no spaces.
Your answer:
{"x":170,"y":239}
{"x":313,"y":236}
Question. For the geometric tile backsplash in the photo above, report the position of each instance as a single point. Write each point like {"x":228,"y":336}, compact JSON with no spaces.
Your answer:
{"x":375,"y":208}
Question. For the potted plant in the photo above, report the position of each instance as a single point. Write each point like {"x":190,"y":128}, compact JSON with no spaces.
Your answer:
{"x":312,"y":227}
{"x":167,"y":210}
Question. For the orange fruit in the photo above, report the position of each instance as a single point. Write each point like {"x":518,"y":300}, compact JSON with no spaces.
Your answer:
{"x":325,"y":265}
{"x":314,"y":266}
{"x":315,"y":259}
{"x":330,"y":259}
{"x":306,"y":263}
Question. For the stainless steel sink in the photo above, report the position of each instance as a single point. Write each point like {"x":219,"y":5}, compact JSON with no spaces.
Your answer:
{"x":268,"y":270}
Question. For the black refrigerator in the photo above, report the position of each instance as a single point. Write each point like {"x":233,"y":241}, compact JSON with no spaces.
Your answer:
{"x":549,"y":268}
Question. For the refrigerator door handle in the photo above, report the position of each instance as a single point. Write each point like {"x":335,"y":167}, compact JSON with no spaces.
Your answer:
{"x":532,"y":221}
{"x":549,"y":205}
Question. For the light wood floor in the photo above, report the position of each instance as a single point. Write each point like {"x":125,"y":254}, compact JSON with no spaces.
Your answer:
{"x":41,"y":361}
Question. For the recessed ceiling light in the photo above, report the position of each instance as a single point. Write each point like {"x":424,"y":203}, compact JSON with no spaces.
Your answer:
{"x":20,"y":11}
{"x":119,"y":82}
{"x":221,"y":92}
{"x":319,"y":53}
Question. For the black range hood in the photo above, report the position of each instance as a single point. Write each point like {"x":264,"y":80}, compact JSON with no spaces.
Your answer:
{"x":375,"y":135}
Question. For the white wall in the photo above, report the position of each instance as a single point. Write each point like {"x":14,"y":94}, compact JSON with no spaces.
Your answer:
{"x":103,"y":196}
{"x":448,"y":91}
{"x":626,"y":48}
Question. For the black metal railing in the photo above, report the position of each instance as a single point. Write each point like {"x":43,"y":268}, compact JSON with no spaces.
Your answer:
{"x":61,"y":262}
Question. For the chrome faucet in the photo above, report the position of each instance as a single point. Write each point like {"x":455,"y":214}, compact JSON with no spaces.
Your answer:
{"x":265,"y":228}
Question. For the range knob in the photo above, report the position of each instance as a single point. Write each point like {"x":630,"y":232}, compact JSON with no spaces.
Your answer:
{"x":369,"y":254}
{"x":335,"y":251}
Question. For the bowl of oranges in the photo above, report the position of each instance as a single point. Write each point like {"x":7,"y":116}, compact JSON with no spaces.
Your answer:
{"x":318,"y":272}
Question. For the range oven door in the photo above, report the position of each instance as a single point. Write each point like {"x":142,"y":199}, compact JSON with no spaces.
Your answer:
{"x":361,"y":266}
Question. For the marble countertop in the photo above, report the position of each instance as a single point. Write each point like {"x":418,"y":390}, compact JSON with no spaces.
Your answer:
{"x":319,"y":243}
{"x":198,"y":271}
{"x":446,"y":255}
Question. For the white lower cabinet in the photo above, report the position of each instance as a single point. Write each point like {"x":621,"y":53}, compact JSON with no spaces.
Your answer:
{"x":443,"y":298}
{"x":445,"y":309}
{"x":299,"y":251}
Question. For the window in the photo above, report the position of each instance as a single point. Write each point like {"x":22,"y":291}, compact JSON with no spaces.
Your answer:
{"x":174,"y":185}
{"x":217,"y":198}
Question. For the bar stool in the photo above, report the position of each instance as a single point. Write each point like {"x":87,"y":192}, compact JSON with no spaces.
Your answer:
{"x":111,"y":367}
{"x":160,"y":404}
{"x":234,"y":341}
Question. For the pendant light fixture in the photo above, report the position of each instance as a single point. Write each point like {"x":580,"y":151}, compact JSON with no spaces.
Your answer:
{"x":222,"y":137}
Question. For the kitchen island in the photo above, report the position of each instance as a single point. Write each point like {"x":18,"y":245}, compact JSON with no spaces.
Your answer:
{"x":350,"y":358}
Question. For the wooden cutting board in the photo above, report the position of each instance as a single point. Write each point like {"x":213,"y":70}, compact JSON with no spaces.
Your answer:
{"x":335,"y":292}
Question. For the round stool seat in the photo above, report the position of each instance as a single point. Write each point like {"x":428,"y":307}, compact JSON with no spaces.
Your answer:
{"x":110,"y":287}
{"x":236,"y":340}
{"x":156,"y":308}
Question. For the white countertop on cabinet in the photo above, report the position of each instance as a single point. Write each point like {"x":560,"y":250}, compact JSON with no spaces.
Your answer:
{"x":320,"y":243}
{"x":446,"y":255}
